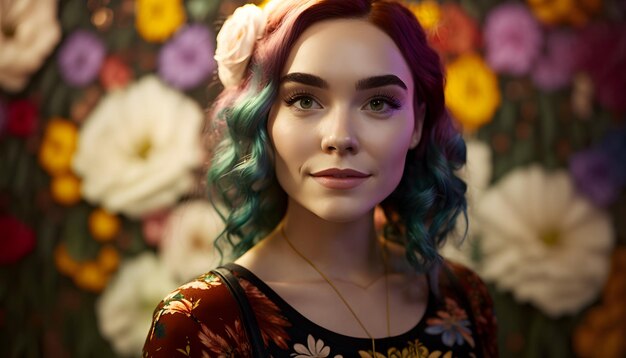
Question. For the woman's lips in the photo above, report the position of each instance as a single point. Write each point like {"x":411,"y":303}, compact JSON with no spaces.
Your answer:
{"x":342,"y":179}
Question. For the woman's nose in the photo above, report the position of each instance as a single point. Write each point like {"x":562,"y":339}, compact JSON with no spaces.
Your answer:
{"x":339,"y":136}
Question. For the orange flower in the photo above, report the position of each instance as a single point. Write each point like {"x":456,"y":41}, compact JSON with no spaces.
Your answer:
{"x":64,"y":262}
{"x":114,"y":73}
{"x":602,"y":331}
{"x":65,"y":189}
{"x":456,"y":33}
{"x":58,"y":145}
{"x":573,"y":12}
{"x":108,"y":258}
{"x":103,"y":225}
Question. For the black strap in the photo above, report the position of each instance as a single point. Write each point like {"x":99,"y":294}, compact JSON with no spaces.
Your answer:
{"x":247,"y":314}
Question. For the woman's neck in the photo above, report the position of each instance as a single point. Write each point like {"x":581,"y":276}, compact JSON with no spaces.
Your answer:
{"x":345,"y":251}
{"x":348,"y":251}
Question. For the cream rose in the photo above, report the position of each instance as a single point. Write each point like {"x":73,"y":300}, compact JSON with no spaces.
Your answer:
{"x":235,"y":43}
{"x":30,"y":30}
{"x":543,"y":241}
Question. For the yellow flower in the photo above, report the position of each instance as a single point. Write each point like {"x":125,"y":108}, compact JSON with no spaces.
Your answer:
{"x":57,"y":147}
{"x":103,"y":225}
{"x":65,"y":189}
{"x":91,"y":277}
{"x":573,"y":12}
{"x":157,"y":20}
{"x":472,"y":92}
{"x":427,"y":12}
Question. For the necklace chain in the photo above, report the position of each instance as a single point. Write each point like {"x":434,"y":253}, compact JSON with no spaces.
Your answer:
{"x":345,"y":302}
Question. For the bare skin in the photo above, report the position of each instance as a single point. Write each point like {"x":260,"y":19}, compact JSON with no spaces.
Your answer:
{"x":341,"y":125}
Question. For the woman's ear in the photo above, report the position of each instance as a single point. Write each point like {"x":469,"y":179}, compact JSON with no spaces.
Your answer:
{"x":420,"y":112}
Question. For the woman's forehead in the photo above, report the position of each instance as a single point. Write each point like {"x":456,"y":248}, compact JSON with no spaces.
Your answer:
{"x":346,"y":50}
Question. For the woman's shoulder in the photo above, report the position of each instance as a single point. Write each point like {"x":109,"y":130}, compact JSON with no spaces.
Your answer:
{"x":459,"y":281}
{"x":198,"y":317}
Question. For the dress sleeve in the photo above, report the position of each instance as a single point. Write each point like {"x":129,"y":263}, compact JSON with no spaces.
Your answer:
{"x":482,"y":307}
{"x":199,"y":319}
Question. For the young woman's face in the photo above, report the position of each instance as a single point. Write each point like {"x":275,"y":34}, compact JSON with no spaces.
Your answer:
{"x":344,"y":119}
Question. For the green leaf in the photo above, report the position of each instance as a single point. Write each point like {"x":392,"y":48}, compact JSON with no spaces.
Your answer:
{"x":76,"y":235}
{"x":200,"y":10}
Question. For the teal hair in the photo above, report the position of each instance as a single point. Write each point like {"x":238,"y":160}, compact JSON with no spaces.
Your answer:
{"x":242,"y":174}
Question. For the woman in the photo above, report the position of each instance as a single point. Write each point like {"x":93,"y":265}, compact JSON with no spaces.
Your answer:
{"x":331,"y":108}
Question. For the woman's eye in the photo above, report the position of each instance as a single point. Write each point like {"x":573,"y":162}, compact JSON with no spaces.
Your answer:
{"x":377,"y":105}
{"x":303,"y":103}
{"x":380,"y":104}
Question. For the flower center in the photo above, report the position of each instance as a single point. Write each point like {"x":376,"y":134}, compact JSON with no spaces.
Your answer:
{"x":472,"y":89}
{"x":8,"y":30}
{"x":144,"y":148}
{"x":157,"y":11}
{"x":551,"y":238}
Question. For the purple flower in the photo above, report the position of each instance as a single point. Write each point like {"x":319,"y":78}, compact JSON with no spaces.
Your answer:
{"x":80,"y":58}
{"x":614,"y":144}
{"x":554,"y":69}
{"x":601,"y":53}
{"x":186,"y":60}
{"x":595,"y":175}
{"x":512,"y":39}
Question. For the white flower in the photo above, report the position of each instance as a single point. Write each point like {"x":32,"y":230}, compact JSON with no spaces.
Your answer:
{"x":477,"y":175}
{"x":187,"y":248}
{"x":235,"y":43}
{"x":29,"y":30}
{"x":125,"y":308}
{"x":138,"y":147}
{"x":316,"y":348}
{"x":543,"y":242}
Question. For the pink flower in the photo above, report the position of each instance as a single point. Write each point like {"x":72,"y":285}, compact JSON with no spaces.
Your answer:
{"x":17,"y":240}
{"x":512,"y":39}
{"x":153,"y":227}
{"x":22,"y":118}
{"x":554,"y":69}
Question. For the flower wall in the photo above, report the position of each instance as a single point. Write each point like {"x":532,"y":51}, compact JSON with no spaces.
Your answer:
{"x":102,"y":211}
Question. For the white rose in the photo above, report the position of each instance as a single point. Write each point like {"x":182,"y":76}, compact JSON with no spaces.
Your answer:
{"x":235,"y":43}
{"x":187,"y":248}
{"x":138,"y":148}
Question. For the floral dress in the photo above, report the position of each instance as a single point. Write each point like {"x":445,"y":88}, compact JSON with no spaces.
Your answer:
{"x":201,"y":319}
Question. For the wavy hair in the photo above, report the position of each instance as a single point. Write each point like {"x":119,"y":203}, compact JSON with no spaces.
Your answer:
{"x":424,"y":207}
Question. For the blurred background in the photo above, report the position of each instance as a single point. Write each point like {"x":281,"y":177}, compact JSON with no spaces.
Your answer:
{"x":102,"y":211}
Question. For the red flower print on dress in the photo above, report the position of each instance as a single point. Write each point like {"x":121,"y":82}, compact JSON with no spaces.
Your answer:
{"x":235,"y":344}
{"x":271,"y":322}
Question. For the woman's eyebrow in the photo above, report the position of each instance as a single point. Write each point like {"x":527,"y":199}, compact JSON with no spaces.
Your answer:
{"x":379,"y":81}
{"x":305,"y":79}
{"x":363,"y":84}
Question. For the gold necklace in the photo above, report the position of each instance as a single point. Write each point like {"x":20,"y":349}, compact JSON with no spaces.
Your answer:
{"x":345,"y":302}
